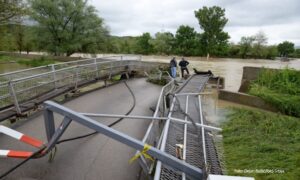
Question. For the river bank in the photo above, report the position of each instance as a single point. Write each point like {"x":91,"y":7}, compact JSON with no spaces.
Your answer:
{"x":264,"y":144}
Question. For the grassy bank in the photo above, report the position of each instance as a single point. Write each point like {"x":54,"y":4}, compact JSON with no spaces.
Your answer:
{"x":8,"y":59}
{"x":280,"y":88}
{"x":34,"y":62}
{"x":42,"y":61}
{"x":260,"y":141}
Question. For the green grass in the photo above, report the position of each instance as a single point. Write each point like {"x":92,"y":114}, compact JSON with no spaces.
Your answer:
{"x":41,"y":61}
{"x":261,"y":140}
{"x":7,"y":59}
{"x":280,"y":88}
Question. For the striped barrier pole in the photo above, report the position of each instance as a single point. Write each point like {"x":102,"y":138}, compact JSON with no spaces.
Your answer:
{"x":21,"y":137}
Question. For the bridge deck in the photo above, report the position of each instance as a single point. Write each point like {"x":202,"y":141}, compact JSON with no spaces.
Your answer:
{"x":194,"y":147}
{"x":96,"y":157}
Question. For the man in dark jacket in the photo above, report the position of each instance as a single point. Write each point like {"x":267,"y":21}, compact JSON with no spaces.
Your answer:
{"x":173,"y":65}
{"x":183,"y":65}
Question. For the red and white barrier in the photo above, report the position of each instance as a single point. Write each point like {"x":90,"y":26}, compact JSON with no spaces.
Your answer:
{"x":15,"y":154}
{"x":21,"y":137}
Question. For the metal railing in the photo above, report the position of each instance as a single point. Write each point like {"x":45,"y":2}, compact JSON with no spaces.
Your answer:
{"x":24,"y":85}
{"x":153,"y":130}
{"x":53,"y":135}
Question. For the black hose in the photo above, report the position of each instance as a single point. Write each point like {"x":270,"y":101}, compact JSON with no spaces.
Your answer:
{"x":35,"y":154}
{"x":21,"y":163}
{"x":110,"y":125}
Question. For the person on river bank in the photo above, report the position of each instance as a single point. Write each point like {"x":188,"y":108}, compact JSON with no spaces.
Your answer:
{"x":173,"y":66}
{"x":183,"y":66}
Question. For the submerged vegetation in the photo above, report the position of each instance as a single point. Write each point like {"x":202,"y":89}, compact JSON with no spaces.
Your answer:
{"x":280,"y":88}
{"x":261,"y":144}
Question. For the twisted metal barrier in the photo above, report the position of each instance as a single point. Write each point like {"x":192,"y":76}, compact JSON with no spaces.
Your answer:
{"x":21,"y":86}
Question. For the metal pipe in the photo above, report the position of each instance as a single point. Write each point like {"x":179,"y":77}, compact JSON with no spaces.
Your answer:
{"x":185,"y":133}
{"x":23,"y":70}
{"x":164,"y":140}
{"x":169,"y":160}
{"x":202,"y":130}
{"x":123,"y":116}
{"x":59,"y":70}
{"x":14,"y":97}
{"x":176,"y":120}
{"x":142,"y":160}
{"x":54,"y":76}
{"x":195,"y":94}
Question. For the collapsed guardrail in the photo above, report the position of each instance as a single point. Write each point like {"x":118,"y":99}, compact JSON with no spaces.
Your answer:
{"x":17,"y":88}
{"x":53,"y":135}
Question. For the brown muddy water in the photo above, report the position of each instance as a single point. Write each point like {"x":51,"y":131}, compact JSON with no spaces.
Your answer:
{"x":230,"y":69}
{"x":215,"y":110}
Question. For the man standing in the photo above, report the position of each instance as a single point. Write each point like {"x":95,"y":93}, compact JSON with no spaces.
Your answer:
{"x":173,"y":65}
{"x":183,"y":65}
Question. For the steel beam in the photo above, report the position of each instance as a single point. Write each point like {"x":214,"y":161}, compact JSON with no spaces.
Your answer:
{"x":163,"y":157}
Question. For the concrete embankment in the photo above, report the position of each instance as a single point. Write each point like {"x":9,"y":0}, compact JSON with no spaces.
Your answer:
{"x":245,"y":99}
{"x":241,"y":97}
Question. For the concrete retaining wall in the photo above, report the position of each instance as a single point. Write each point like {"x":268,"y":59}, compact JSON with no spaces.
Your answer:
{"x":245,"y":99}
{"x":250,"y":74}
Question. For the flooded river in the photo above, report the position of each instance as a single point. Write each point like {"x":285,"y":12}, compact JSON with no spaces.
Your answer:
{"x":215,"y":110}
{"x":230,"y":69}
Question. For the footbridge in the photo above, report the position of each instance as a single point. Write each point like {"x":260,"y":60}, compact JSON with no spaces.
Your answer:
{"x":23,"y":90}
{"x":83,"y":140}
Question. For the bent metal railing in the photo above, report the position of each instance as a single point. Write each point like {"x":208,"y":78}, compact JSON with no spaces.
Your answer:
{"x":54,"y":134}
{"x":21,"y":86}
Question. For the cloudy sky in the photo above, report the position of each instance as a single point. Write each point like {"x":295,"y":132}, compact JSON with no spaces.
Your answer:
{"x":278,"y":19}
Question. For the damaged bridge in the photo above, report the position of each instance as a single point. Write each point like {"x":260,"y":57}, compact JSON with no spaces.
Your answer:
{"x":111,"y":133}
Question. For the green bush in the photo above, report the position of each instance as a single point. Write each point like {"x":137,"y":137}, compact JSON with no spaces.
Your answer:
{"x":280,"y":88}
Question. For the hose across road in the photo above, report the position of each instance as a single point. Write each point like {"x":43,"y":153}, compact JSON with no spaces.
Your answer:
{"x":140,"y":84}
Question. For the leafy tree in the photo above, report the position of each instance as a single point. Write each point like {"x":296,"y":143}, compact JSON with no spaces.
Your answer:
{"x":296,"y":53}
{"x":143,"y":45}
{"x":234,"y":50}
{"x":19,"y":37}
{"x":212,"y":21}
{"x":7,"y":39}
{"x":271,"y":52}
{"x":186,"y":41}
{"x":245,"y":46}
{"x":259,"y":44}
{"x":163,"y":42}
{"x":11,"y":10}
{"x":125,"y":47}
{"x":68,"y":26}
{"x":285,"y":48}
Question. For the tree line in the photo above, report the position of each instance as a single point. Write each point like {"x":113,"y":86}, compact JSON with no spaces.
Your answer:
{"x":63,"y":27}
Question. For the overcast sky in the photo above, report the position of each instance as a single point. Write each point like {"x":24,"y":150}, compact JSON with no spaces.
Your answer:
{"x":278,"y":19}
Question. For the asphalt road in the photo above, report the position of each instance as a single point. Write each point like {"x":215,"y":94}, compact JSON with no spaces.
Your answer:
{"x":93,"y":158}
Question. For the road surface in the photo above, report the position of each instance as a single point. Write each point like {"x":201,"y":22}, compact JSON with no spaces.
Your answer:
{"x":93,"y":158}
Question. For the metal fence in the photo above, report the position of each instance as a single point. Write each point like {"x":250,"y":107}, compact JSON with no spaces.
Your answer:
{"x":21,"y":86}
{"x":154,"y":129}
